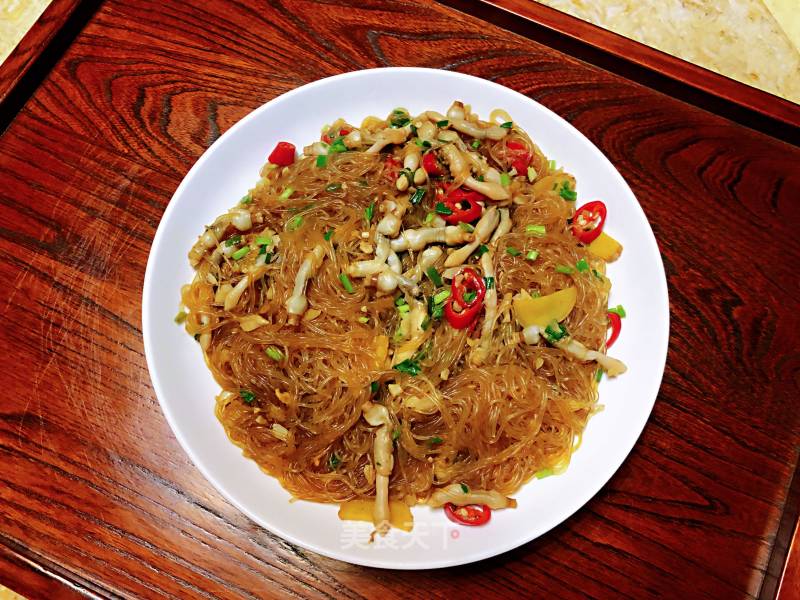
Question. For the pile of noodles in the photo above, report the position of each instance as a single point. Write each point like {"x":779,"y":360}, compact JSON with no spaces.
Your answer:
{"x":494,"y":427}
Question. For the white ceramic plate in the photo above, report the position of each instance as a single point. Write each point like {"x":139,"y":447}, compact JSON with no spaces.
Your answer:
{"x":186,"y":389}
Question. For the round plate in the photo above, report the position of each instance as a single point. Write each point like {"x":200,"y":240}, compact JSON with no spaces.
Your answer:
{"x":186,"y":389}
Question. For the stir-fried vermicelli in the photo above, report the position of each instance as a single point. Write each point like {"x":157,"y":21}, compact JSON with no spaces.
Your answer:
{"x":409,"y":310}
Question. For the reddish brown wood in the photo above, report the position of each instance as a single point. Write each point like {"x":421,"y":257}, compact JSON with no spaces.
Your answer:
{"x":34,"y":43}
{"x":91,"y":478}
{"x":632,"y":51}
{"x":790,"y":582}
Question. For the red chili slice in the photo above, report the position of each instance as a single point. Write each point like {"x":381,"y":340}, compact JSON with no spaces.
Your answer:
{"x":460,"y":312}
{"x":588,"y":221}
{"x":391,"y":167}
{"x":615,"y":324}
{"x":432,"y":165}
{"x":282,"y":155}
{"x":519,"y":155}
{"x":471,"y":514}
{"x":464,"y":205}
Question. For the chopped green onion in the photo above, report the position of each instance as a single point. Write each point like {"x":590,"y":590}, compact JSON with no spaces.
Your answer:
{"x":322,"y":160}
{"x":480,"y":178}
{"x":246,"y":199}
{"x":543,"y":473}
{"x":466,"y":227}
{"x":536,"y":294}
{"x":328,"y":235}
{"x":422,"y":143}
{"x":417,"y":196}
{"x":512,"y":251}
{"x":536,"y":230}
{"x":596,"y":273}
{"x":267,"y":255}
{"x":241,"y":253}
{"x":333,"y":462}
{"x":294,"y":223}
{"x":263,"y":241}
{"x":464,"y":488}
{"x":363,"y":320}
{"x":551,"y":165}
{"x":409,"y":366}
{"x":400,"y":301}
{"x":566,"y":193}
{"x":338,"y":145}
{"x":374,"y":387}
{"x":476,"y":144}
{"x":286,"y":193}
{"x":582,"y":265}
{"x":400,"y":119}
{"x":428,"y":219}
{"x":566,"y":269}
{"x":618,"y":310}
{"x":274,"y":353}
{"x":441,"y":296}
{"x":426,"y":322}
{"x":442,"y":123}
{"x":442,"y":209}
{"x":482,"y":249}
{"x":403,"y":308}
{"x":395,"y":435}
{"x":368,"y":212}
{"x":180,"y":317}
{"x":435,"y":440}
{"x":348,"y":287}
{"x":489,"y":282}
{"x":434,"y":276}
{"x":532,"y":174}
{"x":334,"y":187}
{"x":507,"y":125}
{"x":599,"y":375}
{"x":470,"y":296}
{"x":555,"y":331}
{"x":532,"y":255}
{"x":247,"y":396}
{"x":232,"y":241}
{"x":505,"y":180}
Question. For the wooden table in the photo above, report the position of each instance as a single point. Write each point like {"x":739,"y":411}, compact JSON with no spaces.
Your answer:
{"x":98,"y":498}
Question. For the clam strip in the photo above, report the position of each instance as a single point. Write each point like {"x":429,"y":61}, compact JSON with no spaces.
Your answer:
{"x":416,"y":317}
{"x":427,"y":258}
{"x":504,"y":227}
{"x":232,"y":297}
{"x":365,"y":268}
{"x":377,"y":415}
{"x":483,"y":230}
{"x":458,"y":119}
{"x":417,"y":239}
{"x":460,"y":170}
{"x":297,"y":303}
{"x":455,"y":494}
{"x":481,"y":351}
{"x":388,"y":136}
{"x":393,"y":211}
{"x":574,"y":348}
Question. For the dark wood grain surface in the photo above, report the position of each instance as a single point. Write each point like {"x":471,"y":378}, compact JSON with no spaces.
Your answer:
{"x":92,"y":481}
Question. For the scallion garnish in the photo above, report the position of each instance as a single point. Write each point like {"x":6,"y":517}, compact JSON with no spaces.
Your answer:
{"x":565,"y":269}
{"x":286,"y":193}
{"x":428,"y":219}
{"x":408,"y":366}
{"x":368,"y":212}
{"x":536,"y":230}
{"x":247,"y":396}
{"x":543,"y":473}
{"x":322,"y":160}
{"x":274,"y":353}
{"x":338,"y":145}
{"x":442,"y":209}
{"x":422,"y":143}
{"x":403,"y":308}
{"x":241,"y":253}
{"x":233,"y":240}
{"x":441,"y":296}
{"x":363,"y":320}
{"x":599,"y":375}
{"x":466,"y":227}
{"x":246,"y":199}
{"x":400,"y":301}
{"x":582,"y":265}
{"x":263,"y":240}
{"x":489,"y":282}
{"x":551,"y":165}
{"x":464,"y":488}
{"x":348,"y":287}
{"x":470,"y":296}
{"x":475,"y":144}
{"x":334,"y":187}
{"x":555,"y":331}
{"x":374,"y":387}
{"x":566,"y":193}
{"x":507,"y":125}
{"x":395,"y":435}
{"x":434,"y":276}
{"x":618,"y":310}
{"x":482,"y":249}
{"x":442,"y":123}
{"x":532,"y":255}
{"x":505,"y":180}
{"x":417,"y":196}
{"x":596,"y":273}
{"x":512,"y":251}
{"x":328,"y":235}
{"x":435,"y":440}
{"x":180,"y":317}
{"x":333,"y":462}
{"x":532,"y":174}
{"x":294,"y":223}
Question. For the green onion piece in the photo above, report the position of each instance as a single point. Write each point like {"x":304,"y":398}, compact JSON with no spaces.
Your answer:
{"x":434,"y":276}
{"x":476,"y":144}
{"x":363,"y":320}
{"x":532,"y":174}
{"x":348,"y":287}
{"x":403,"y":308}
{"x":338,"y":145}
{"x":368,"y":212}
{"x":263,"y":240}
{"x":532,"y":255}
{"x":596,"y":273}
{"x":482,"y":249}
{"x":544,"y":473}
{"x":274,"y":353}
{"x":246,"y":199}
{"x":551,"y":164}
{"x":267,"y":256}
{"x":426,"y":322}
{"x":507,"y":125}
{"x":536,"y":294}
{"x":435,"y":440}
{"x":555,"y":331}
{"x":328,"y":235}
{"x":582,"y":265}
{"x":374,"y":387}
{"x":536,"y":230}
{"x":566,"y":269}
{"x":505,"y":180}
{"x":464,"y":488}
{"x":618,"y":310}
{"x":441,"y":296}
{"x":417,"y":196}
{"x":395,"y":435}
{"x":233,"y":240}
{"x":512,"y":251}
{"x":470,"y":296}
{"x":466,"y":227}
{"x":428,"y":219}
{"x":247,"y":396}
{"x":286,"y":193}
{"x":442,"y":123}
{"x":422,"y":143}
{"x":400,"y":301}
{"x":599,"y":375}
{"x":442,"y":209}
{"x":294,"y":223}
{"x":322,"y":160}
{"x":333,"y":462}
{"x":180,"y":317}
{"x":566,"y":193}
{"x":241,"y":253}
{"x":399,"y":121}
{"x":489,"y":282}
{"x":409,"y":366}
{"x":334,"y":187}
